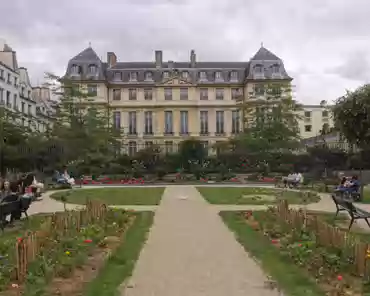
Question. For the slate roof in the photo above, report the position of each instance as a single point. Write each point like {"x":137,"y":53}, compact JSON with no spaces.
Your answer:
{"x":246,"y":70}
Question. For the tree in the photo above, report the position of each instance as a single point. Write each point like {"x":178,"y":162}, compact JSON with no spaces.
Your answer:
{"x":82,"y":130}
{"x":271,"y":125}
{"x":351,"y":116}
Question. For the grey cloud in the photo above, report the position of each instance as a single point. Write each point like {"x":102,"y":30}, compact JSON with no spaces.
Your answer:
{"x":310,"y":36}
{"x":356,"y":67}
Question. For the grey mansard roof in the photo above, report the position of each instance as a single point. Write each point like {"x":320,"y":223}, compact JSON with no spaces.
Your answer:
{"x":263,"y":60}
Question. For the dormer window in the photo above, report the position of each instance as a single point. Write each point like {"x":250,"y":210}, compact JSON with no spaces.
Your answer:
{"x":185,"y":74}
{"x":203,"y":75}
{"x":133,"y":76}
{"x":148,"y":76}
{"x":118,"y":76}
{"x":75,"y":69}
{"x":234,"y":75}
{"x":92,"y":69}
{"x":258,"y":69}
{"x":166,"y":74}
{"x":218,"y":75}
{"x":275,"y":69}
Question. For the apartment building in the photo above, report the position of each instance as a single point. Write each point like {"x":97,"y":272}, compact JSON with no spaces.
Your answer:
{"x":16,"y":90}
{"x":313,"y":119}
{"x":167,"y":102}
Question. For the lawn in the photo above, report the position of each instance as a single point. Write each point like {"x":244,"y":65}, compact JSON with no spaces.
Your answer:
{"x":291,"y":279}
{"x":251,"y":195}
{"x":113,"y":196}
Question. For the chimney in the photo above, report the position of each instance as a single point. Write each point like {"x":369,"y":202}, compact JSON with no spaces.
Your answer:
{"x":158,"y":58}
{"x":192,"y":58}
{"x":111,"y":59}
{"x":170,"y":65}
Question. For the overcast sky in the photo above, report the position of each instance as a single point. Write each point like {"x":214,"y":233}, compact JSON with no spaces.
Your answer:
{"x":325,"y":44}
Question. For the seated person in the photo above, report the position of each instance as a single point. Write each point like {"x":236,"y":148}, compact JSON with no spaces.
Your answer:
{"x":67,"y":177}
{"x":12,"y":197}
{"x":5,"y":189}
{"x":349,"y":186}
{"x":36,"y":186}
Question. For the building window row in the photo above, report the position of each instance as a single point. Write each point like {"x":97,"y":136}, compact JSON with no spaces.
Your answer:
{"x":168,"y":93}
{"x":202,"y":75}
{"x":184,"y":122}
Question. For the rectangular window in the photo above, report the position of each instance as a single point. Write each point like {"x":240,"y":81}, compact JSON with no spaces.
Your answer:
{"x":15,"y":102}
{"x":116,"y":94}
{"x":203,"y":75}
{"x":168,"y":147}
{"x":117,"y":119}
{"x":168,"y":94}
{"x":219,"y":93}
{"x":168,"y":125}
{"x":325,"y":113}
{"x":9,"y":79}
{"x":183,"y":94}
{"x":203,"y":122}
{"x":132,"y":94}
{"x":184,"y":118}
{"x":148,"y":94}
{"x":132,"y":149}
{"x":148,"y":122}
{"x":203,"y":92}
{"x":8,"y":104}
{"x":1,"y":96}
{"x":2,"y":74}
{"x":220,"y":122}
{"x":307,"y":114}
{"x":235,"y":125}
{"x":132,"y":123}
{"x":29,"y":109}
{"x":133,"y":76}
{"x":308,"y":128}
{"x":23,"y":107}
{"x":235,"y":93}
{"x":118,"y":76}
{"x":92,"y":90}
{"x":15,"y":81}
{"x":233,"y":75}
{"x":205,"y":146}
{"x":218,"y":75}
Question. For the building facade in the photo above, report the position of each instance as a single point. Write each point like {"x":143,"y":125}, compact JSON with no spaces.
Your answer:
{"x":16,"y":91}
{"x":167,"y":102}
{"x":314,"y":119}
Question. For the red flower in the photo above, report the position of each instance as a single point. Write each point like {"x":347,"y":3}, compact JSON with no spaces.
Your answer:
{"x":300,"y":245}
{"x":19,"y":239}
{"x":274,"y":241}
{"x":88,"y":241}
{"x":339,"y":277}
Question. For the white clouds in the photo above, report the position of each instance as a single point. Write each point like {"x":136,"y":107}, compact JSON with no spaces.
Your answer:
{"x":322,"y":42}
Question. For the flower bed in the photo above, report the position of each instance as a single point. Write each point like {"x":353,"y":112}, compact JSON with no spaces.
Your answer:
{"x":335,"y":259}
{"x":109,"y":181}
{"x":64,"y":242}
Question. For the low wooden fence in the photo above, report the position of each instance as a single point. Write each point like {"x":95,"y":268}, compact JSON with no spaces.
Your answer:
{"x":352,"y":248}
{"x":28,"y":247}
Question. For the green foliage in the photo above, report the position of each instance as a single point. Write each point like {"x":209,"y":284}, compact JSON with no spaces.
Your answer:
{"x":351,"y":116}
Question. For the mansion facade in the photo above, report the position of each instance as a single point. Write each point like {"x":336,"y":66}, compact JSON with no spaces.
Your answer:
{"x":166,"y":102}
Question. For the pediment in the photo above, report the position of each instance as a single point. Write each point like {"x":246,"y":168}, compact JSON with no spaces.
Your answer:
{"x":176,"y":81}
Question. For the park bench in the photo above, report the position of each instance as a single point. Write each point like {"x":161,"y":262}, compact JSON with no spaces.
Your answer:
{"x":12,"y":206}
{"x":354,"y":212}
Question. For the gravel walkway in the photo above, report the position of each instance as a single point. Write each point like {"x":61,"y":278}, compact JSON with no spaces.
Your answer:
{"x":190,"y":252}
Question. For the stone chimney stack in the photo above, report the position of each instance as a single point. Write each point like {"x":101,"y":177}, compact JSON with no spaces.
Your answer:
{"x":111,"y":59}
{"x":170,"y":65}
{"x":193,"y":58}
{"x":158,"y":58}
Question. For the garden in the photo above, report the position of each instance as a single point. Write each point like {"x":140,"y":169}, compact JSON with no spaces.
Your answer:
{"x":255,"y":196}
{"x":305,"y":253}
{"x":88,"y":252}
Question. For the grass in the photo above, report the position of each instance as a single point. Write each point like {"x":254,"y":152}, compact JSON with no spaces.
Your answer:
{"x":249,"y":195}
{"x":291,"y":279}
{"x":113,"y":196}
{"x":120,"y":266}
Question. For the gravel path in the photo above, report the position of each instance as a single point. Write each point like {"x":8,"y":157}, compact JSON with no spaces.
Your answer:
{"x":190,"y":252}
